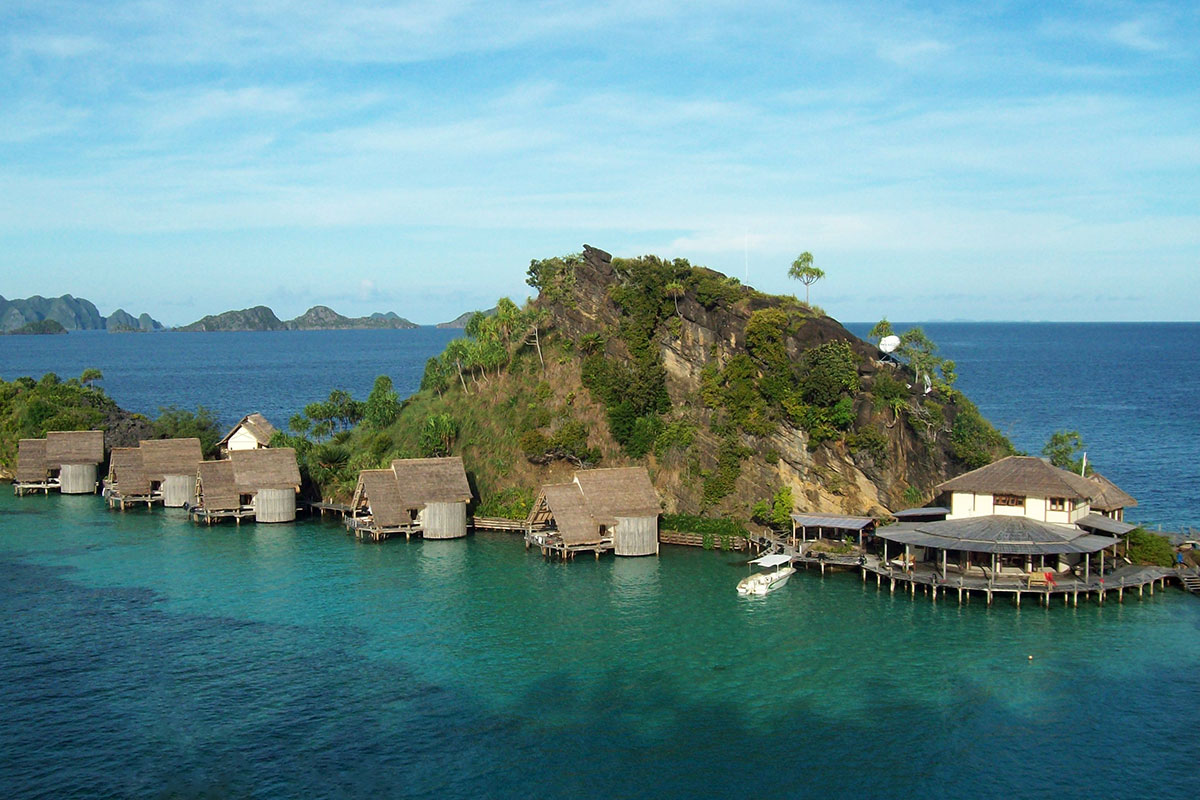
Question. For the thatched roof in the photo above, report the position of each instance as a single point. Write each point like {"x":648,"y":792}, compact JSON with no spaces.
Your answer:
{"x":1111,"y":497}
{"x":162,"y":457}
{"x":618,"y":492}
{"x":265,"y":469}
{"x":218,"y":492}
{"x":995,"y":533}
{"x":379,"y":489}
{"x":574,"y":522}
{"x":432,"y":480}
{"x":74,"y":447}
{"x":126,"y":472}
{"x":256,"y":425}
{"x":31,"y":461}
{"x":1026,"y":476}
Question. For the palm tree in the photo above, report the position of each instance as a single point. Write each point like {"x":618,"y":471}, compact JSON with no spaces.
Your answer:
{"x":675,"y":290}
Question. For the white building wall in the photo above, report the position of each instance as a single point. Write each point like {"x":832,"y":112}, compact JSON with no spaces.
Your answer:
{"x":242,"y":439}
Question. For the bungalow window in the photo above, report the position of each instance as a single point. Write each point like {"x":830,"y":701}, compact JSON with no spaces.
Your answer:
{"x":1010,"y":500}
{"x":1058,"y":504}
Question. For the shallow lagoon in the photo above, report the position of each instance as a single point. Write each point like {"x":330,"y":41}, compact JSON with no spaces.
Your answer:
{"x":144,"y":655}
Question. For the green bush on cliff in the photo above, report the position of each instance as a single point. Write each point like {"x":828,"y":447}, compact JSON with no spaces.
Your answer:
{"x":973,"y":440}
{"x":178,"y":423}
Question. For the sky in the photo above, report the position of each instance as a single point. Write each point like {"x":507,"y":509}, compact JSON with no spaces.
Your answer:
{"x":969,"y":161}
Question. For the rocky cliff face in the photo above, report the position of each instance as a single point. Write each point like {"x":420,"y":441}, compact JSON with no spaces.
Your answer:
{"x":910,"y":453}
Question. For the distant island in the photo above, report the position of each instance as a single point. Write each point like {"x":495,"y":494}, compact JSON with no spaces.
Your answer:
{"x":72,"y":313}
{"x":317,"y":318}
{"x":40,"y":328}
{"x":461,"y":320}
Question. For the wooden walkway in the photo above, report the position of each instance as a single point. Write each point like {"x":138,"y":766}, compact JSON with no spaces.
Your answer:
{"x":931,"y":581}
{"x":551,"y":545}
{"x":332,"y":508}
{"x":499,"y":524}
{"x":1190,"y":580}
{"x":22,"y":488}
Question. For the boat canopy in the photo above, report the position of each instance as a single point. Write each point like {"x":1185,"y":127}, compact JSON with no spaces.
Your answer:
{"x":772,"y":560}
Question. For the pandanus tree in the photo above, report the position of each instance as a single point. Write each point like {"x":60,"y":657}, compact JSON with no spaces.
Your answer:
{"x":802,"y":269}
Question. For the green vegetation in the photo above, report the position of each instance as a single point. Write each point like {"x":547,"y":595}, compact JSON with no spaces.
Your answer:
{"x":973,"y":440}
{"x":438,"y":435}
{"x":29,"y":408}
{"x":178,"y":423}
{"x":383,"y":404}
{"x":514,"y":502}
{"x":802,"y":269}
{"x":1148,"y":548}
{"x":1063,"y":448}
{"x":776,"y":514}
{"x":38,"y":328}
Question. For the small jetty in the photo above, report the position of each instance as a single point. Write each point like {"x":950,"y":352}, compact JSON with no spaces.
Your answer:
{"x":415,"y":496}
{"x":601,"y":510}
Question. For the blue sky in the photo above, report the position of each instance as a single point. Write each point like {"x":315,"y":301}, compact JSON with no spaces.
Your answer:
{"x":983,"y":160}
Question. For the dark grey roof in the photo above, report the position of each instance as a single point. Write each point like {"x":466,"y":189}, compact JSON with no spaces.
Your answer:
{"x":1103,"y":524}
{"x":918,"y":513}
{"x":996,"y":534}
{"x":832,"y":521}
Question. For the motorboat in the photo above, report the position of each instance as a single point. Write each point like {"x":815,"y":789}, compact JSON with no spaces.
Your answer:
{"x":764,"y":582}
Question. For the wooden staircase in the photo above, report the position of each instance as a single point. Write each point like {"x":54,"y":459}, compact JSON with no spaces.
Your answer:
{"x":1190,"y":581}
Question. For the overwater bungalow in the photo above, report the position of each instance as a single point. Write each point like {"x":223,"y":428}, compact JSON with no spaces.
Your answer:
{"x":250,"y":483}
{"x":65,"y":460}
{"x":253,"y":432}
{"x":126,"y":482}
{"x":76,"y":455}
{"x":157,"y":471}
{"x":33,"y":472}
{"x":601,"y":509}
{"x":426,"y":496}
{"x":170,"y":466}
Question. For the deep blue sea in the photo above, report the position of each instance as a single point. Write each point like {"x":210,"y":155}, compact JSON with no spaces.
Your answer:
{"x":144,"y":656}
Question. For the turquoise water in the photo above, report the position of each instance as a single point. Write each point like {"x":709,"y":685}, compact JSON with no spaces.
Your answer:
{"x":145,"y":656}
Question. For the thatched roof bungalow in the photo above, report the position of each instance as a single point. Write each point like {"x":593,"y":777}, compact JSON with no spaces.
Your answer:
{"x":258,"y":483}
{"x":414,"y":495}
{"x":33,"y":471}
{"x":1111,"y":500}
{"x":253,"y":432}
{"x":601,"y":507}
{"x":75,"y":456}
{"x":127,"y":481}
{"x":170,"y":466}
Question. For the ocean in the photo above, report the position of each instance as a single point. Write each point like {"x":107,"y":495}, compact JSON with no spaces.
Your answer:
{"x":144,"y":656}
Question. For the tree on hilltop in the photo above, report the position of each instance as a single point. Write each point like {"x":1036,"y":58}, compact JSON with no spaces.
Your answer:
{"x":802,"y":269}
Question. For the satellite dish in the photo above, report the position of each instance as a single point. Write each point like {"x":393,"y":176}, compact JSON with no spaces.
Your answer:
{"x":888,"y":344}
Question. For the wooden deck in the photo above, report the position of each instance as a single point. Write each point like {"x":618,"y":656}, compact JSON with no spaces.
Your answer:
{"x":22,"y":488}
{"x":207,"y":516}
{"x":117,"y":500}
{"x":551,"y":545}
{"x":365,"y":528}
{"x":931,"y":581}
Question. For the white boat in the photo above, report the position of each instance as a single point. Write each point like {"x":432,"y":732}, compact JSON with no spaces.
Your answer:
{"x":763,"y":582}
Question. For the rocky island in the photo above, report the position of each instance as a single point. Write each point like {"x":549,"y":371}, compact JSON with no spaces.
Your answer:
{"x":732,"y":398}
{"x":317,"y":318}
